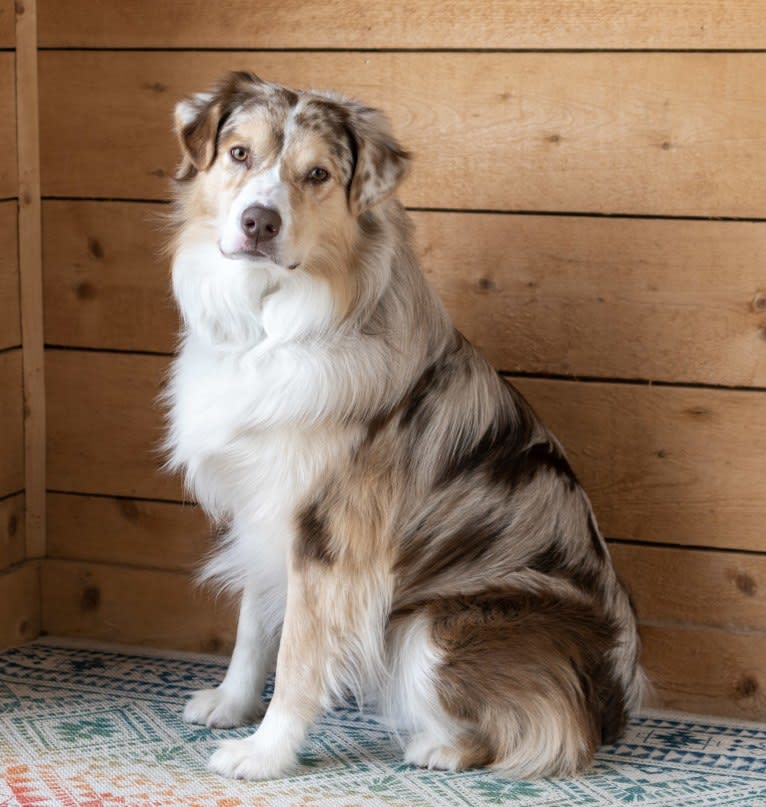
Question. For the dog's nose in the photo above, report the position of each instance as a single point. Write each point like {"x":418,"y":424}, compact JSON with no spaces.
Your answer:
{"x":261,"y":223}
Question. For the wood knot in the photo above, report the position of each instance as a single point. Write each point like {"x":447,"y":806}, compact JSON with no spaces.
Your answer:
{"x":699,"y":411}
{"x":214,"y":645}
{"x":662,"y":453}
{"x":129,"y":509}
{"x":759,"y":302}
{"x":24,"y":628}
{"x":85,"y":290}
{"x":91,"y":598}
{"x":13,"y":525}
{"x":486,"y":284}
{"x":95,"y":250}
{"x":19,"y":8}
{"x":746,"y":584}
{"x":746,"y":687}
{"x":554,"y":138}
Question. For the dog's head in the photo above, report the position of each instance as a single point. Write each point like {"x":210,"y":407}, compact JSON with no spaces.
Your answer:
{"x":283,"y":176}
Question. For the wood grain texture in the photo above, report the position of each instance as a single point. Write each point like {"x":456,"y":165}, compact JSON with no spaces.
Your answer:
{"x":11,"y":423}
{"x":660,"y":463}
{"x":11,"y":530}
{"x":161,"y":535}
{"x":105,"y":426}
{"x":713,"y":588}
{"x":106,"y":284}
{"x":8,"y":169}
{"x":31,"y":274}
{"x":666,"y":464}
{"x":19,"y":605}
{"x":706,"y":670}
{"x":677,"y":133}
{"x":135,"y":606}
{"x":398,"y":24}
{"x":617,"y":298}
{"x":699,"y":669}
{"x":7,"y":26}
{"x":10,"y":317}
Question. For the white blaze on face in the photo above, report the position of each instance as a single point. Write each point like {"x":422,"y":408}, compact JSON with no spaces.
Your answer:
{"x":265,"y":189}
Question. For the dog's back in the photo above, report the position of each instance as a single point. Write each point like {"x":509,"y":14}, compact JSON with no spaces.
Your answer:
{"x":397,"y":515}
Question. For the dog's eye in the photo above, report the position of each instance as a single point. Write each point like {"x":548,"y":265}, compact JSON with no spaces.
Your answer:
{"x":239,"y":153}
{"x":318,"y":175}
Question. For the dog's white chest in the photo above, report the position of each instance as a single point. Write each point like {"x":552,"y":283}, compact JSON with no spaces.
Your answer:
{"x":235,"y":457}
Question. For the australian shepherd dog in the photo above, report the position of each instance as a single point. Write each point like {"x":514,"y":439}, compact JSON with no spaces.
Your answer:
{"x":395,"y":519}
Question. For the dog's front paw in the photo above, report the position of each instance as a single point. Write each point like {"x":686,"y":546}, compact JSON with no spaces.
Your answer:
{"x":250,"y":759}
{"x":219,"y":709}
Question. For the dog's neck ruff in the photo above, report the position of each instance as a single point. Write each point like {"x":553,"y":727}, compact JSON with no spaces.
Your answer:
{"x":239,"y":304}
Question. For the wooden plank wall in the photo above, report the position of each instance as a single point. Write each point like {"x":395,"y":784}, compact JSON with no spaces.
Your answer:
{"x":590,"y":199}
{"x":19,"y":595}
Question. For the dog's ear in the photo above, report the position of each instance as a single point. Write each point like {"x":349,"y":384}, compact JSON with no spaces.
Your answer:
{"x":381,"y":162}
{"x":196,"y":125}
{"x":198,"y":120}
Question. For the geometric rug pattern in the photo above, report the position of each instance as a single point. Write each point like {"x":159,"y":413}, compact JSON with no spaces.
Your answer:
{"x":86,"y":725}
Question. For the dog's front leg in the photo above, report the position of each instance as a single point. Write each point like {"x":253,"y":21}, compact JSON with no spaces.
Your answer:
{"x":322,"y":619}
{"x":238,"y":699}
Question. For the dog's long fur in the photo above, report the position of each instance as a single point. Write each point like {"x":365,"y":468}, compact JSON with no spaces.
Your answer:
{"x":397,"y":520}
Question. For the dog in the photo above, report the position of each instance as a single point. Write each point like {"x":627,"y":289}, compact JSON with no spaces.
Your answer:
{"x":396,"y":520}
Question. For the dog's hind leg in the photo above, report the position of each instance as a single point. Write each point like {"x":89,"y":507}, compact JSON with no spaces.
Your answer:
{"x":237,"y":700}
{"x":513,"y":680}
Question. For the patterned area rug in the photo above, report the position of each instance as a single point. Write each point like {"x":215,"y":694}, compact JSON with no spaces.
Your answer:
{"x":86,"y":725}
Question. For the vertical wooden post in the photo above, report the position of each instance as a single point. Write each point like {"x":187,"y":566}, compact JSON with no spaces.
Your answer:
{"x":30,"y":269}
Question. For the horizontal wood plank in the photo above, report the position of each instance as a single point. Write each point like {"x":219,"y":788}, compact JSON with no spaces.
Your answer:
{"x":10,"y":318}
{"x":162,"y":535}
{"x":664,"y":464}
{"x":8,"y":168}
{"x":105,"y":282}
{"x":712,"y":588}
{"x":7,"y":24}
{"x":134,"y":606}
{"x":400,"y":24}
{"x":105,"y":425}
{"x":673,"y":133}
{"x":617,"y":298}
{"x":11,"y":530}
{"x":11,"y":423}
{"x":660,"y":463}
{"x":706,"y":670}
{"x":19,"y":605}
